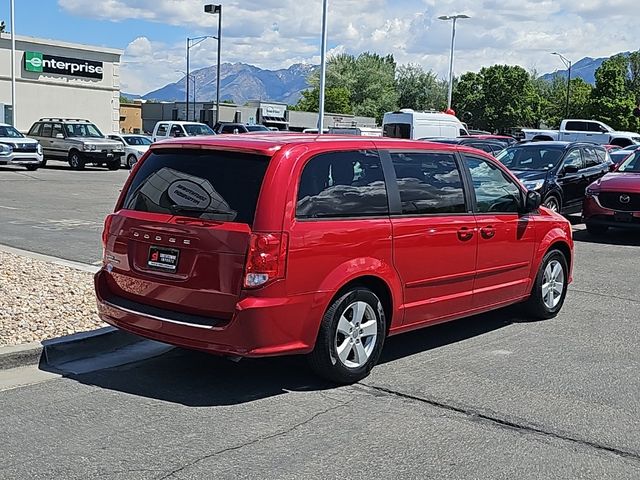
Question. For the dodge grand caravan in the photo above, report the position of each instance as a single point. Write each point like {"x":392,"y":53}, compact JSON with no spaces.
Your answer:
{"x":252,"y":246}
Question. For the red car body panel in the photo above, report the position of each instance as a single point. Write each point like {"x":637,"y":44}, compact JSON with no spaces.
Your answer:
{"x":603,"y":204}
{"x":431,"y":276}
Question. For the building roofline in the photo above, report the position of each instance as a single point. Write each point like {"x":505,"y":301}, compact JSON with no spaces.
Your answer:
{"x":58,"y":43}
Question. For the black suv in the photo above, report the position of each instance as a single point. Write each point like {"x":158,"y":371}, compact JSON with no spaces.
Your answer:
{"x":559,"y":171}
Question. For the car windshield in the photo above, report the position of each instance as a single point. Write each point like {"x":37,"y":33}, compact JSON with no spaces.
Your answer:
{"x":631,"y":164}
{"x":137,"y":141}
{"x":7,"y":131}
{"x":257,"y":128}
{"x":196,"y":129}
{"x":83,"y":130}
{"x":531,"y":157}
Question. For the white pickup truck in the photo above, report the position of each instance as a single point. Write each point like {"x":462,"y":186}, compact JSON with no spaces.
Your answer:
{"x":584,"y":131}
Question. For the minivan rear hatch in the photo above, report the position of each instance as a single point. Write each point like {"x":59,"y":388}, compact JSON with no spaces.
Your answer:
{"x":180,"y":237}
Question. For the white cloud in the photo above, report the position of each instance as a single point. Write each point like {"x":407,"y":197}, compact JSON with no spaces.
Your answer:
{"x":278,"y":33}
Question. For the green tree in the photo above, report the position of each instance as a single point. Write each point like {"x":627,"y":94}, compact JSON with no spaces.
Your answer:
{"x":336,"y":101}
{"x":553,"y":94}
{"x":498,"y":97}
{"x":611,"y":100}
{"x":124,"y":99}
{"x":420,"y":90}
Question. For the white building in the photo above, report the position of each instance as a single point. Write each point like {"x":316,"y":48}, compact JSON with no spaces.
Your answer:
{"x":61,"y":80}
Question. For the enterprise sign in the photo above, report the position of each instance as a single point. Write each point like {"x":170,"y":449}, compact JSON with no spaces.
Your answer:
{"x":38,"y":62}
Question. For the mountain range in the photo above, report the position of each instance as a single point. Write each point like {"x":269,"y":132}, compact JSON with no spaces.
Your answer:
{"x":241,"y":82}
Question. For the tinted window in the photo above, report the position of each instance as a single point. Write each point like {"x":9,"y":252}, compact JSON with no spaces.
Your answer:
{"x":530,"y":157}
{"x":342,"y":184}
{"x":197,"y":183}
{"x":576,"y":126}
{"x":594,"y":127}
{"x":162,"y":130}
{"x":198,"y":129}
{"x":573,"y":159}
{"x":35,"y":130}
{"x":230,"y":129}
{"x":177,"y":131}
{"x":397,"y":130}
{"x":46,"y":130}
{"x":429,"y":183}
{"x":631,"y":164}
{"x":495,"y":192}
{"x":482,"y":146}
{"x":10,"y":132}
{"x":136,"y":140}
{"x":590,"y":157}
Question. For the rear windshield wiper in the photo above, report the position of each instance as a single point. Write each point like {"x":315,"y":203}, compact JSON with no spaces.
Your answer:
{"x":188,"y":209}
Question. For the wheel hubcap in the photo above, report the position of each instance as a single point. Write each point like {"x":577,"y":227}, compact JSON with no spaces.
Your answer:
{"x":356,"y":335}
{"x":553,"y":284}
{"x":552,"y":205}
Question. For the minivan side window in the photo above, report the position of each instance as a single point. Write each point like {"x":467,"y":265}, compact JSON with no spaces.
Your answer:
{"x":342,"y":184}
{"x":429,"y":183}
{"x":495,"y":191}
{"x":162,"y":130}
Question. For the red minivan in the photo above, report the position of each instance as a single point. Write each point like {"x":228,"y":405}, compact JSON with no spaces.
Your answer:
{"x":274,"y":244}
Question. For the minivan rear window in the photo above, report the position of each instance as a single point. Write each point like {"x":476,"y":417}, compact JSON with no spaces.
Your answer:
{"x":206,"y":184}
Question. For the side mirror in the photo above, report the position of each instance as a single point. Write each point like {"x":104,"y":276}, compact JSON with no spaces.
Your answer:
{"x":570,"y":169}
{"x":532,"y":201}
{"x":59,"y":135}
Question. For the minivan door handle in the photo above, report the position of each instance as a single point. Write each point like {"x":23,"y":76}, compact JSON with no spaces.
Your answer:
{"x":488,"y":232}
{"x":465,"y":234}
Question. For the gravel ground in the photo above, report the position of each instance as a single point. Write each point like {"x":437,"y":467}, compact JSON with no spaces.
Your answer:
{"x":40,"y":300}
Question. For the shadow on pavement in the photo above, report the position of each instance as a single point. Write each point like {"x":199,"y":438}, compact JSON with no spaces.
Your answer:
{"x":613,"y":236}
{"x":198,"y":379}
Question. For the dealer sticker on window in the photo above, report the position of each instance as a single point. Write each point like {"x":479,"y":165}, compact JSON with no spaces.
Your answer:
{"x":163,"y":258}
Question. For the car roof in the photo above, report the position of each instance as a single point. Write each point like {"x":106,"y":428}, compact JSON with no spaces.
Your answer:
{"x":558,"y":143}
{"x":268,"y":143}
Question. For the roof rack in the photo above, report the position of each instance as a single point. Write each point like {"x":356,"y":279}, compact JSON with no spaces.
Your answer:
{"x":64,"y":120}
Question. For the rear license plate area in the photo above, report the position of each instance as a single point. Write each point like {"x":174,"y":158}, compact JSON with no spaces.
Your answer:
{"x":163,"y":259}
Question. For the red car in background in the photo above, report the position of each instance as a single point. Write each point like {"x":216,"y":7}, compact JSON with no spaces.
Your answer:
{"x":614,"y":200}
{"x":270,"y":244}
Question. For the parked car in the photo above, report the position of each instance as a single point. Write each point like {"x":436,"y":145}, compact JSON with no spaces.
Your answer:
{"x":614,"y":200}
{"x":134,"y":147}
{"x":252,"y":246}
{"x":413,"y":125}
{"x":489,"y":146}
{"x":584,"y":131}
{"x":16,"y":149}
{"x":559,"y":171}
{"x":620,"y":155}
{"x":224,"y":127}
{"x":505,"y":140}
{"x":174,"y":129}
{"x":76,"y":141}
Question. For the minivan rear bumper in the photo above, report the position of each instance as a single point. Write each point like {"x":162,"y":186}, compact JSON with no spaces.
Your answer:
{"x":260,"y":327}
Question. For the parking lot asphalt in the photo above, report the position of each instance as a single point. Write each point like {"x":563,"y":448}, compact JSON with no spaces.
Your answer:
{"x":490,"y":397}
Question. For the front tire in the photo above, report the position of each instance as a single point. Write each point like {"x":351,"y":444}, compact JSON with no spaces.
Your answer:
{"x":351,"y":337}
{"x":75,"y":161}
{"x":131,"y":161}
{"x":113,"y":165}
{"x":550,"y":287}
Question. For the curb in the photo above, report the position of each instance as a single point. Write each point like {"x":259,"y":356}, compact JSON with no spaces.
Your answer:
{"x":48,"y":258}
{"x":66,"y":349}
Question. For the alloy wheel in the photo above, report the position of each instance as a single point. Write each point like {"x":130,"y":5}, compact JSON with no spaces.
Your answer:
{"x":356,"y":334}
{"x":553,"y":284}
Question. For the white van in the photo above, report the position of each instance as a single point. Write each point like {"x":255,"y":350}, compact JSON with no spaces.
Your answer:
{"x":170,"y":129}
{"x":414,"y":125}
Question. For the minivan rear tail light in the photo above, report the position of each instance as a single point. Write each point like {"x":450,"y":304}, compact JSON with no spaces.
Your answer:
{"x":105,"y":232}
{"x":266,"y":259}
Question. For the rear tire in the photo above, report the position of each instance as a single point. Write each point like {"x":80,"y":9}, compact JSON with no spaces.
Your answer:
{"x":550,"y":287}
{"x":596,"y":230}
{"x":552,"y":202}
{"x":351,"y":337}
{"x":131,"y":161}
{"x":75,"y":161}
{"x":31,"y":168}
{"x":114,"y":165}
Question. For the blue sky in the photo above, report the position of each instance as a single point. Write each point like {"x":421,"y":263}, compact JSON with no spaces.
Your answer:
{"x":278,"y":33}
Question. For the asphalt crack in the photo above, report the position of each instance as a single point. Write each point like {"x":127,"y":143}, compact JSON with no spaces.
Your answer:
{"x":603,"y":295}
{"x":256,"y":440}
{"x":502,"y":423}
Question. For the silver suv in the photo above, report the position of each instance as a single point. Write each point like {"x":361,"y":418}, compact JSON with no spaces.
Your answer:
{"x":76,"y":141}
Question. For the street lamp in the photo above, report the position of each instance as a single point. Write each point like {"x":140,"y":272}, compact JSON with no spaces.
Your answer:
{"x":217,"y":9}
{"x":323,"y":66}
{"x":192,"y":42}
{"x":193,"y":80}
{"x":568,"y":64}
{"x":13,"y":67}
{"x":453,"y":39}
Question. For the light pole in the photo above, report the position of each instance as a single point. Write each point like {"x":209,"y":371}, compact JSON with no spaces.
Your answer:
{"x":193,"y":80}
{"x":568,"y":64}
{"x":192,"y":42}
{"x":217,"y":9}
{"x":453,"y":40}
{"x":13,"y":67}
{"x":323,"y":66}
